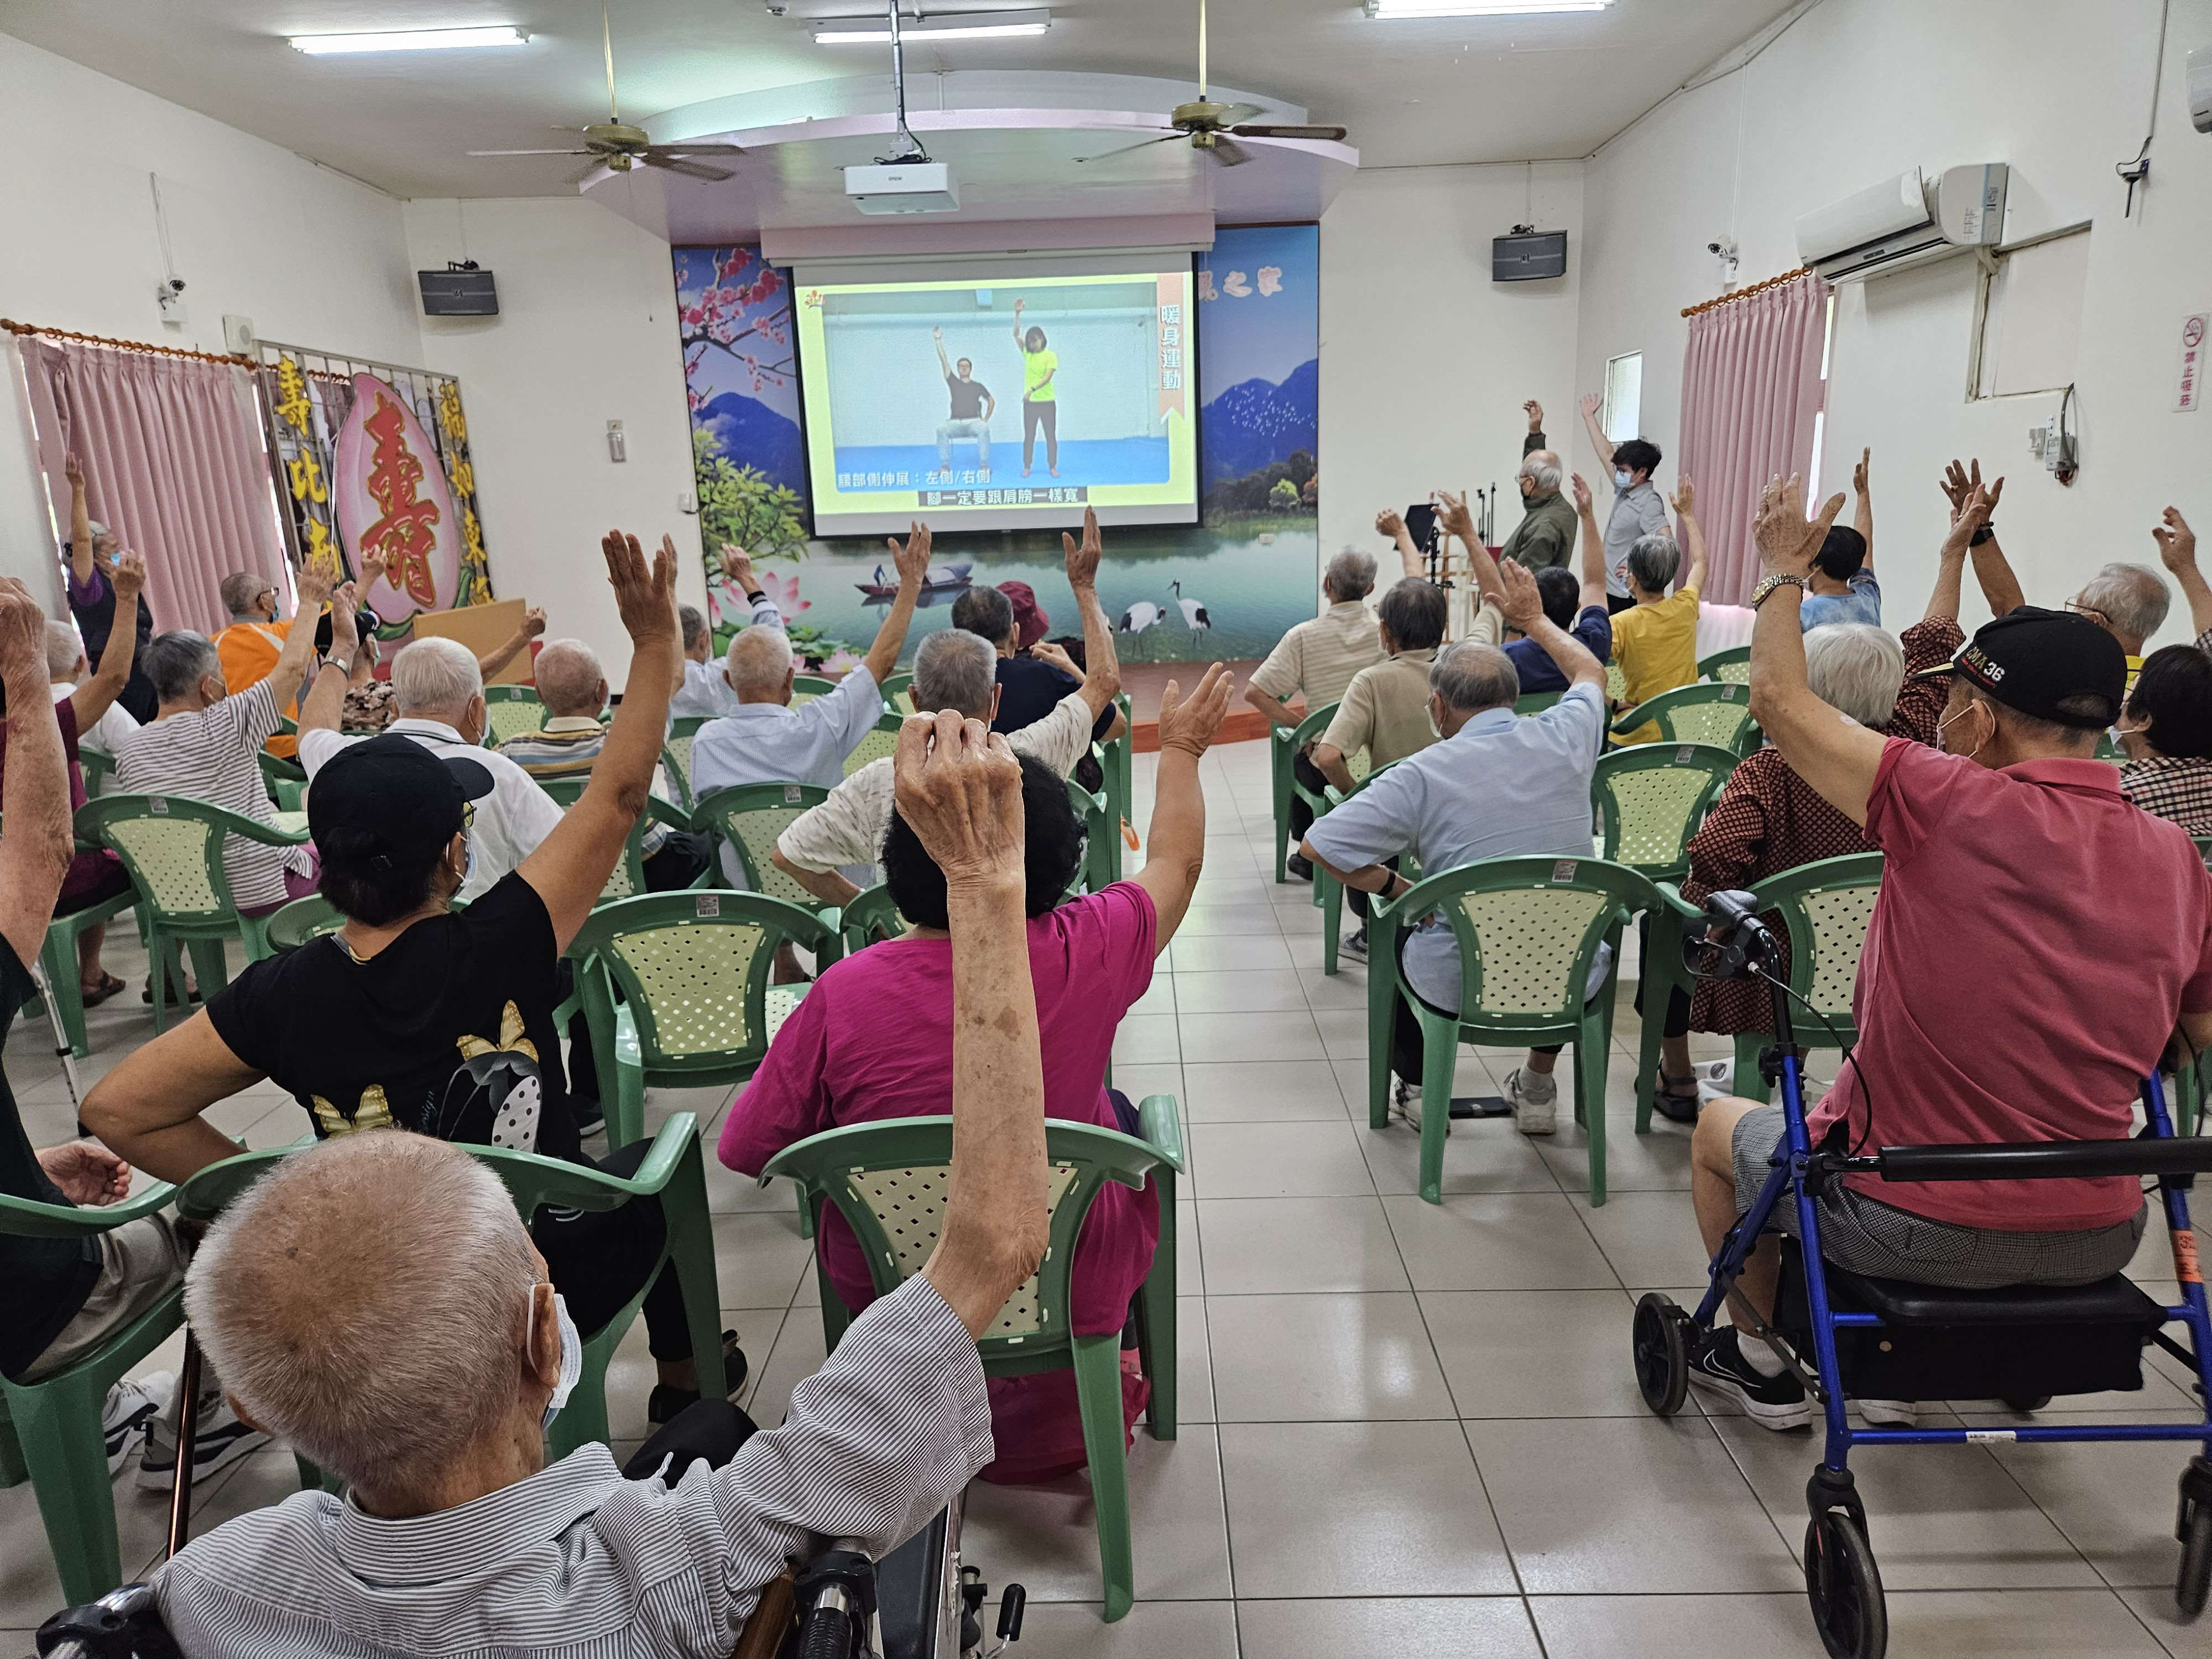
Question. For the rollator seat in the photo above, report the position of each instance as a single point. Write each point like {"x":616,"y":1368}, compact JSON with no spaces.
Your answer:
{"x":2113,"y":1301}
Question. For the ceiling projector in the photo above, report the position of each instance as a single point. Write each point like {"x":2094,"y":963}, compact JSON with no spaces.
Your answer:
{"x":903,"y":187}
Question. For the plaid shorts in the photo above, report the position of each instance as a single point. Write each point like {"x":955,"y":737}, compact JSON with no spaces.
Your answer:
{"x":1865,"y":1236}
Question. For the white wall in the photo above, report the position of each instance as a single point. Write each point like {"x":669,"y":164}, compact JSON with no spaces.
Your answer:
{"x":586,"y":334}
{"x":308,"y":255}
{"x":1860,"y":89}
{"x":1424,"y":362}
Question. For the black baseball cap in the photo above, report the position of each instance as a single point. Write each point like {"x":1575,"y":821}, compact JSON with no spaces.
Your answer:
{"x":2036,"y":660}
{"x":391,"y":798}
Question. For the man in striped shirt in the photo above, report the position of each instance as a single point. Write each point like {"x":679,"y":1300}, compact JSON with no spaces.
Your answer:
{"x":455,"y":1539}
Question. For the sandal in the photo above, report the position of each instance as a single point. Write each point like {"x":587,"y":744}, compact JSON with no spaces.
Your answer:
{"x":1676,"y":1099}
{"x":95,"y":994}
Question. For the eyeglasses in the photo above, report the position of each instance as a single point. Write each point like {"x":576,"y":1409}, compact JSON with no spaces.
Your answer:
{"x":2090,"y":612}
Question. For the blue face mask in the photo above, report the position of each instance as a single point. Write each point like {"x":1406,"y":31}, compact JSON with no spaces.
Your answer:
{"x":1620,"y":476}
{"x":572,"y":1362}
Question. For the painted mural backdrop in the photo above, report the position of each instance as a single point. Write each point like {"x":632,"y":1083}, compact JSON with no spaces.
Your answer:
{"x":1248,"y":565}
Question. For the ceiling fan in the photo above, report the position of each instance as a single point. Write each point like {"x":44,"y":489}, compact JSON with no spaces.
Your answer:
{"x":615,"y":143}
{"x":1214,"y":129}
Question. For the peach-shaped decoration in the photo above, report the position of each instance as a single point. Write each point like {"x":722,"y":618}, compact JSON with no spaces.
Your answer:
{"x":393,"y":501}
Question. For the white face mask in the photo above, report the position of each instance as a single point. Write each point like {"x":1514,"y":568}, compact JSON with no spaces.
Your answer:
{"x":1620,"y":476}
{"x":572,"y":1362}
{"x":2120,"y":734}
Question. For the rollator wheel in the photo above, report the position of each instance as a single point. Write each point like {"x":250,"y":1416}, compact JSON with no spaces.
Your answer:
{"x":1660,"y":1338}
{"x":2025,"y":1403}
{"x":2196,"y":1575}
{"x":1844,"y":1587}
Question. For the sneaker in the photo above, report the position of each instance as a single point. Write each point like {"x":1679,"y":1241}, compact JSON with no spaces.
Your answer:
{"x":1535,"y":1101}
{"x":1890,"y":1414}
{"x":1354,"y":945}
{"x":1300,"y":867}
{"x":1773,"y":1402}
{"x":222,"y":1439}
{"x":130,"y":1407}
{"x":665,"y":1403}
{"x":591,"y":1116}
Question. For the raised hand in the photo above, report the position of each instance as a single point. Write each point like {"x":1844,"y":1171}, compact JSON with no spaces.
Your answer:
{"x":130,"y":574}
{"x":1972,"y":512}
{"x":533,"y":622}
{"x":86,"y":1173}
{"x":372,"y":571}
{"x":938,"y":335}
{"x":644,"y":595}
{"x":1187,"y":725}
{"x":1685,"y":498}
{"x":739,"y":564}
{"x":2177,"y":541}
{"x":1452,"y":514}
{"x":1787,"y":539}
{"x":1859,"y":472}
{"x":912,"y":557}
{"x":73,"y":469}
{"x":1535,"y":413}
{"x":1957,"y":480}
{"x":1388,"y":523}
{"x":1583,"y":503}
{"x":1591,"y":404}
{"x":344,"y":633}
{"x":1083,"y":556}
{"x":1521,"y":604}
{"x":313,"y":588}
{"x":959,"y":788}
{"x":1046,"y":651}
{"x":22,"y":632}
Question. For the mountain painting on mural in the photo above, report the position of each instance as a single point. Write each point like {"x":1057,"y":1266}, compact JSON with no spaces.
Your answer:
{"x":1228,"y":587}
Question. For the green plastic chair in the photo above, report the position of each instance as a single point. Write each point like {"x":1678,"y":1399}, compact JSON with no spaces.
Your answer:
{"x":173,"y":847}
{"x":1616,"y":685}
{"x":1650,"y":800}
{"x":1284,"y":744}
{"x":626,"y":879}
{"x":878,"y":745}
{"x":674,"y":989}
{"x":673,"y":1171}
{"x":98,"y":766}
{"x":1118,"y":787}
{"x":50,"y":1429}
{"x":58,"y":958}
{"x":1733,"y":665}
{"x":1100,"y":868}
{"x":676,"y":755}
{"x":1712,"y":712}
{"x":747,"y":818}
{"x":1824,"y":906}
{"x":301,"y":920}
{"x":1327,"y":891}
{"x":898,"y":692}
{"x":1535,"y":703}
{"x":870,"y":919}
{"x":804,"y":688}
{"x":509,"y":712}
{"x":286,"y":780}
{"x":888,"y":1180}
{"x":1528,"y":931}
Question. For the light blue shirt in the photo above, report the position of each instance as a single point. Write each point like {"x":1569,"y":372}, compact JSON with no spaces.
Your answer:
{"x":706,"y":689}
{"x":1861,"y":604}
{"x":769,"y":743}
{"x":1501,"y":785}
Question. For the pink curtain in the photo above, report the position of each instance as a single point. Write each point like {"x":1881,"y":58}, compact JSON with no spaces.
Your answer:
{"x":1751,"y":385}
{"x":174,"y":465}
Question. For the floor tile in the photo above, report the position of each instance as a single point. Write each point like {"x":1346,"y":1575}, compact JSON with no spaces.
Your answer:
{"x":1150,"y":1630}
{"x":2115,"y":1503}
{"x":1212,"y":1037}
{"x":1260,"y":1246}
{"x":1189,"y":1264}
{"x":1497,"y":1241}
{"x":1657,"y":1162}
{"x":1147,"y":1040}
{"x":1159,"y":996}
{"x":1535,"y":1353}
{"x":1240,"y":990}
{"x":1627,"y":1505}
{"x":2018,"y":1624}
{"x":760,"y":1256}
{"x":1194,"y":1362}
{"x":1196,"y":953}
{"x":1201,"y":921}
{"x":1465,"y":1628}
{"x":1484,"y":1156}
{"x":1279,"y":1160}
{"x":1343,"y":1032}
{"x":1366,"y":1508}
{"x":1139,"y":1080}
{"x":1324,"y":1358}
{"x":1651,"y":1238}
{"x":1261,"y":1091}
{"x":1775,"y":1626}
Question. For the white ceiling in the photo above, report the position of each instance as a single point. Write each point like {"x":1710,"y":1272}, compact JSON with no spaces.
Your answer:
{"x":1469,"y":90}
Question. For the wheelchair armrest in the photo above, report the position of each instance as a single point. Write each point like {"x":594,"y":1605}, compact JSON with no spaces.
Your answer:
{"x":1162,"y":1127}
{"x":2047,"y":1160}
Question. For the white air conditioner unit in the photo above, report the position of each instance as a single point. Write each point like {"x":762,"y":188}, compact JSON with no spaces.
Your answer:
{"x":1905,"y":222}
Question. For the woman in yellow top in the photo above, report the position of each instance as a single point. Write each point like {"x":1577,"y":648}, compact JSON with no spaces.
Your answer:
{"x":1040,"y":398}
{"x":1654,"y":640}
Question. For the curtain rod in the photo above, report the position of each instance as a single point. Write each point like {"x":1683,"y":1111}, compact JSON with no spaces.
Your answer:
{"x":13,"y":327}
{"x":1746,"y":293}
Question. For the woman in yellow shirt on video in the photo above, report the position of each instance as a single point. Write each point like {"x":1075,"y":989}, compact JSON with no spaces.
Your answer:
{"x":1039,"y":397}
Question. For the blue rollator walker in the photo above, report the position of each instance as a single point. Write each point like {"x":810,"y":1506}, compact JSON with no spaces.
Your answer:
{"x":1881,"y":1339}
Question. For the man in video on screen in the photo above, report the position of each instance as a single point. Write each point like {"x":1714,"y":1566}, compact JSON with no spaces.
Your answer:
{"x":972,"y":408}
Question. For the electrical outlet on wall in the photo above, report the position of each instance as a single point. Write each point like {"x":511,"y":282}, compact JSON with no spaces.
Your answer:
{"x":618,"y":446}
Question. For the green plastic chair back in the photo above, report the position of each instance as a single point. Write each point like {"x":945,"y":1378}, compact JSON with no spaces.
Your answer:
{"x":1284,"y":744}
{"x":97,"y":765}
{"x":747,"y":818}
{"x":898,"y":692}
{"x":509,"y":712}
{"x":302,"y":919}
{"x":1827,"y":906}
{"x":1098,"y":869}
{"x":1327,"y":891}
{"x":871,"y":919}
{"x":1535,"y":703}
{"x":1116,"y":771}
{"x":627,"y":878}
{"x":878,"y":745}
{"x":285,"y":780}
{"x":2204,"y":849}
{"x":1650,"y":800}
{"x":676,"y":755}
{"x":50,"y":1429}
{"x":804,"y":688}
{"x":1732,"y":665}
{"x":1616,"y":683}
{"x":1717,"y":713}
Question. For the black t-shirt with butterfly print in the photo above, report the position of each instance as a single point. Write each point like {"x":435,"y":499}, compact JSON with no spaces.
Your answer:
{"x":448,"y":1031}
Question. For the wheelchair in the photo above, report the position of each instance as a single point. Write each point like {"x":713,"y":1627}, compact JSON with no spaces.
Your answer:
{"x":1887,"y":1340}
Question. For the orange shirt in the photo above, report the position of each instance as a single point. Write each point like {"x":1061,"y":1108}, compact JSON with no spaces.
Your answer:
{"x":249,"y":651}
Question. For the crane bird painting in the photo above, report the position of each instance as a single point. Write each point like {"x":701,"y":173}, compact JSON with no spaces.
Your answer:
{"x":1193,"y":611}
{"x":1141,"y":616}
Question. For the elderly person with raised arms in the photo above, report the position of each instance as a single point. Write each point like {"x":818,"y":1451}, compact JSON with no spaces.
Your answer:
{"x":1545,"y":538}
{"x":706,"y":689}
{"x":456,"y":1538}
{"x":1577,"y":606}
{"x":90,"y":554}
{"x":1654,"y":636}
{"x":831,"y":848}
{"x":1991,"y":1004}
{"x":1494,"y":784}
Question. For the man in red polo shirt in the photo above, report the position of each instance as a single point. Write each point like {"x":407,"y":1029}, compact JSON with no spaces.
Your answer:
{"x":2037,"y":942}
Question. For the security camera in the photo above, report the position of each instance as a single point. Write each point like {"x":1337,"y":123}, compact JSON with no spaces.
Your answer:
{"x":176,"y":285}
{"x":1712,"y":247}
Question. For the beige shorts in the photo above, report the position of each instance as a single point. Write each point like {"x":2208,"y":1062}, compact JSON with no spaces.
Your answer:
{"x":138,"y":1262}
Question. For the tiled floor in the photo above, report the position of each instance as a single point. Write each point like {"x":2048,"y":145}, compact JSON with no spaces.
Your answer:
{"x":1407,"y":1429}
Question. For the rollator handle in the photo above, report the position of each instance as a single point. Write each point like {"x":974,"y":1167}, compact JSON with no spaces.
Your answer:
{"x":124,"y":1624}
{"x":1743,"y":938}
{"x":2047,"y":1160}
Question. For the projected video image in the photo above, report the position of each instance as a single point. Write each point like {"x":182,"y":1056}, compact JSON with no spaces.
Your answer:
{"x":1009,"y":402}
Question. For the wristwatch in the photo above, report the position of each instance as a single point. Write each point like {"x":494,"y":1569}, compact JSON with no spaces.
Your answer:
{"x":1758,"y":594}
{"x":1983,"y":532}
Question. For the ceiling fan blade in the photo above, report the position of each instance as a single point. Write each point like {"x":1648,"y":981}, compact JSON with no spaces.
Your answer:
{"x":530,"y":152}
{"x":698,"y":149}
{"x":1333,"y":135}
{"x":1108,"y":156}
{"x":1228,"y":152}
{"x":666,"y":163}
{"x":1232,"y":113}
{"x":598,"y":165}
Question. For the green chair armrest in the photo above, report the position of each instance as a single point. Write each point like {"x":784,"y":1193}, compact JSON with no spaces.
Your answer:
{"x":668,"y":812}
{"x":267,"y":835}
{"x":27,"y":1217}
{"x":1681,"y":907}
{"x":1162,"y":1125}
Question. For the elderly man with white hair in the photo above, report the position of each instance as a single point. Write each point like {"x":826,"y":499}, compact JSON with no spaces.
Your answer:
{"x":1545,"y":538}
{"x":831,"y":848}
{"x":1494,"y":784}
{"x":380,"y":1272}
{"x":706,"y":689}
{"x":2129,"y":602}
{"x":766,"y":740}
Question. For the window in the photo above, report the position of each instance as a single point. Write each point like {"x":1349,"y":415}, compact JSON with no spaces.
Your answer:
{"x":2031,"y":318}
{"x":1624,"y":398}
{"x":1820,"y":415}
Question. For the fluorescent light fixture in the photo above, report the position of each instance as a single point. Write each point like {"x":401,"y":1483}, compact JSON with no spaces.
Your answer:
{"x":971,"y":25}
{"x":408,"y":41}
{"x":1387,"y":9}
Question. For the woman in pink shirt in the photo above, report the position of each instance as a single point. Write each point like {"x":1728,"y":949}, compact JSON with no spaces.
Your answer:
{"x":872,"y":1040}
